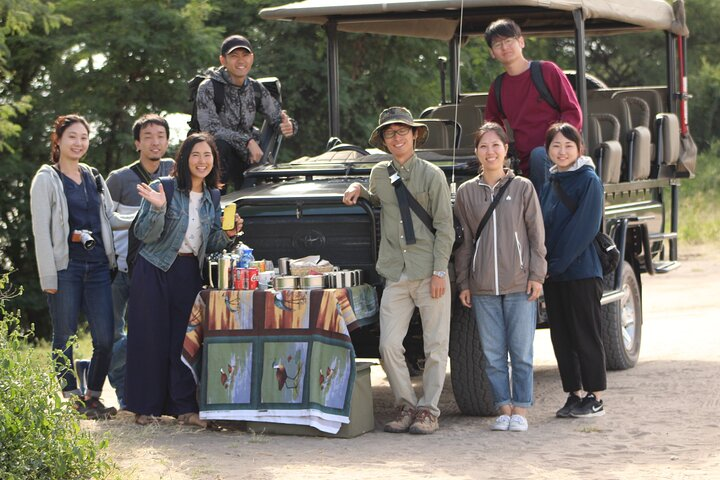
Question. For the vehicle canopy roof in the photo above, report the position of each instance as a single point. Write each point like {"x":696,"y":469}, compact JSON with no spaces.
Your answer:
{"x":439,"y":19}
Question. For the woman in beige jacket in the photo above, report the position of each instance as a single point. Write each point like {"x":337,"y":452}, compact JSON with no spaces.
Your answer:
{"x":500,"y":275}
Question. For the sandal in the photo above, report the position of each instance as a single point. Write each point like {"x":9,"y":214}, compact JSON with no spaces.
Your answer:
{"x":191,"y":418}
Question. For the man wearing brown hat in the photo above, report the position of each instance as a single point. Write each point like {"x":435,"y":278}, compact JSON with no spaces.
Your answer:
{"x":413,"y":260}
{"x":232,"y":125}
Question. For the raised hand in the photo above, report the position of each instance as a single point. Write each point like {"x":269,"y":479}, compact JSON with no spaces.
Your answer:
{"x":156,"y":198}
{"x":286,"y":126}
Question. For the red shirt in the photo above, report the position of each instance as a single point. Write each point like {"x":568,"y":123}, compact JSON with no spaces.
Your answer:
{"x":528,"y":114}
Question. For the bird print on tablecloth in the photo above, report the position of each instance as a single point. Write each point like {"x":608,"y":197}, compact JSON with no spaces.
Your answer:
{"x":328,"y":375}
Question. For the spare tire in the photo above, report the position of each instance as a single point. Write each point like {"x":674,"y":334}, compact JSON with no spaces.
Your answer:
{"x":470,"y":384}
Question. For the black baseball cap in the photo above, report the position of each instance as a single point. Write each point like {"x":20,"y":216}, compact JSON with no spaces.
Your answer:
{"x":233,"y":42}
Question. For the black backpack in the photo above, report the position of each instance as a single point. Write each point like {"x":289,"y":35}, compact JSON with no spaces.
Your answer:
{"x":134,"y":243}
{"x":218,"y":97}
{"x":537,"y":79}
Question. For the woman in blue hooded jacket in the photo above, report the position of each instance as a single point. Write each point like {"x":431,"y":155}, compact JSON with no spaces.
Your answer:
{"x":574,"y":286}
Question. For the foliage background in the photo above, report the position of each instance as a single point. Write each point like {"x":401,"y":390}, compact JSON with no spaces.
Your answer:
{"x":113,"y":60}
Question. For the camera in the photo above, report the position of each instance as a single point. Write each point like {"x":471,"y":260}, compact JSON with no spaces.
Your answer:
{"x":85,"y":238}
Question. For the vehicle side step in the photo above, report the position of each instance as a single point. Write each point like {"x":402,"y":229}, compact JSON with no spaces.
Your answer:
{"x":665,"y":267}
{"x":663,"y":236}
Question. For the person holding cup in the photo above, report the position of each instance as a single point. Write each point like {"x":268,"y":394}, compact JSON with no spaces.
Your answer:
{"x":177,"y":231}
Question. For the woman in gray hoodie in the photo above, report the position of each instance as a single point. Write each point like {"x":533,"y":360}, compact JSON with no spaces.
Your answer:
{"x":72,"y":222}
{"x":500,"y":274}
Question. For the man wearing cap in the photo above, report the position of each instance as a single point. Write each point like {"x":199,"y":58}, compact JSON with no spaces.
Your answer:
{"x":232,"y":126}
{"x":413,"y":260}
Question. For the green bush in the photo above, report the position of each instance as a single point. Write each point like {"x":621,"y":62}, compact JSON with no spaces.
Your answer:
{"x":40,"y":435}
{"x":699,"y":198}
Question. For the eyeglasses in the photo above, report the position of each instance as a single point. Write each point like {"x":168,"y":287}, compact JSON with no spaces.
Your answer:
{"x":402,"y":131}
{"x":497,"y":45}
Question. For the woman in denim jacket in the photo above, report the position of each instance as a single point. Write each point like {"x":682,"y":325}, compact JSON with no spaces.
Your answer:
{"x":166,"y":278}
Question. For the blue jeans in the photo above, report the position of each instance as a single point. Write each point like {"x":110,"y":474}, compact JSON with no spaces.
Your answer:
{"x":539,"y":168}
{"x":116,"y":375}
{"x":506,"y":324}
{"x":82,"y":287}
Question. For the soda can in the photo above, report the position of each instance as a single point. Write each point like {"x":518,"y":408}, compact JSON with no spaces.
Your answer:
{"x":252,"y":278}
{"x":246,"y":279}
{"x":237,"y":278}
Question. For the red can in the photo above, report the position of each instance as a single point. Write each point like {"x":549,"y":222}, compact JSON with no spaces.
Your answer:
{"x":237,"y":278}
{"x":252,"y":278}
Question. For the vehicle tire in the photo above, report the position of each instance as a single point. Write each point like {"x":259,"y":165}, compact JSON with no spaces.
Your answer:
{"x":471,"y":387}
{"x":622,"y":323}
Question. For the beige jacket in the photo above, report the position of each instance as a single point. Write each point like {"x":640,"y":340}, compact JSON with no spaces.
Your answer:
{"x":511,"y":247}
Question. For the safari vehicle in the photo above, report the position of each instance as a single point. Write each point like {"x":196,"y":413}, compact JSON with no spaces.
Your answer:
{"x":637,"y":136}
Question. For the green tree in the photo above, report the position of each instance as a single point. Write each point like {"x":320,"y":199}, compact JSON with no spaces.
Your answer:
{"x":128,"y":58}
{"x":704,"y":71}
{"x":375,"y":72}
{"x":17,"y":19}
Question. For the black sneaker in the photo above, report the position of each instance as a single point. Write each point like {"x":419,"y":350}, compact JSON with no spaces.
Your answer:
{"x":589,"y":407}
{"x":95,"y":410}
{"x":572,"y":401}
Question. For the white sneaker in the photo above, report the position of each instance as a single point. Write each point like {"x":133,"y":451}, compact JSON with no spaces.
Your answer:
{"x":502,"y":423}
{"x":518,"y":423}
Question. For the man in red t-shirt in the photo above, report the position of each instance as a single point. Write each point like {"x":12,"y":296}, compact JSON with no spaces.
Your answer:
{"x":528,"y":114}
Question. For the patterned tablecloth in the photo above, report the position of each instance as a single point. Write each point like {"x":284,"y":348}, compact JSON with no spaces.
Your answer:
{"x":282,"y":357}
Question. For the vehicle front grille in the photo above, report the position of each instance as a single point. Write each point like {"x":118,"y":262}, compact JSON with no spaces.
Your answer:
{"x":345,"y":240}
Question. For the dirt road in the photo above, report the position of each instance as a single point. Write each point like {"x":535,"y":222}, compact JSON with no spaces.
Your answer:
{"x":661,"y":420}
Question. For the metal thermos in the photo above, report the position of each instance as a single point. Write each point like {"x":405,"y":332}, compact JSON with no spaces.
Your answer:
{"x":225,"y":264}
{"x":284,"y":265}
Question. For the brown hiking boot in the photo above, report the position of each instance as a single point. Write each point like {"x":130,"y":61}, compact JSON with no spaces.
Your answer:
{"x":402,"y":422}
{"x":425,"y":422}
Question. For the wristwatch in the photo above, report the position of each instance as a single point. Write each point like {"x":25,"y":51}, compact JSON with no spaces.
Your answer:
{"x":439,"y":273}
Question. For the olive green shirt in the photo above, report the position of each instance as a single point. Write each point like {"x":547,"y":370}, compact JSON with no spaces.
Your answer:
{"x":427,"y":183}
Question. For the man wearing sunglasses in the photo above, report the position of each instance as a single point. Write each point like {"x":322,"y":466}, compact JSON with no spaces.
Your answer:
{"x":413,"y":260}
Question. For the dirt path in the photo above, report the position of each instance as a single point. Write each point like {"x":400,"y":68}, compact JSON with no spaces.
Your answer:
{"x":661,"y":420}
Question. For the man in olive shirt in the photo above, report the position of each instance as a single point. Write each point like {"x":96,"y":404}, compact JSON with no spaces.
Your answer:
{"x":414,"y":263}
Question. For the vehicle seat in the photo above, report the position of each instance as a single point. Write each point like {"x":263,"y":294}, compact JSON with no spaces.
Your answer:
{"x":441,"y":133}
{"x":607,"y":154}
{"x":653,"y":97}
{"x":426,"y":113}
{"x":469,"y":118}
{"x":638,"y":138}
{"x":667,"y":127}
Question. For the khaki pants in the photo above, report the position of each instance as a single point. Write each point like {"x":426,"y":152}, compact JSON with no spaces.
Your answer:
{"x":396,"y":309}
